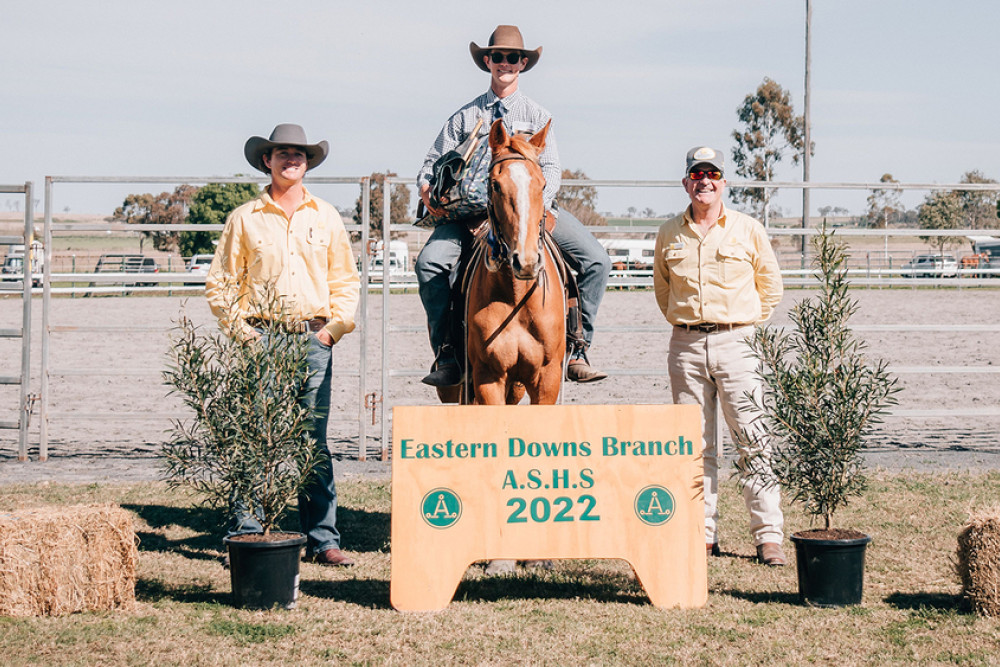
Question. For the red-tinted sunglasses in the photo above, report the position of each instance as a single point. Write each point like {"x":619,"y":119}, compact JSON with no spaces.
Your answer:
{"x":511,"y":58}
{"x":710,"y":175}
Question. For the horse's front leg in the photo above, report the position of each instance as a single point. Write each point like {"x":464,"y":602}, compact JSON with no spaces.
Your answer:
{"x":490,"y":389}
{"x":546,"y":392}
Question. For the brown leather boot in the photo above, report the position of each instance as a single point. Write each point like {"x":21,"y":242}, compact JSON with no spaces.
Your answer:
{"x":771,"y":554}
{"x":334,"y":557}
{"x":579,"y":370}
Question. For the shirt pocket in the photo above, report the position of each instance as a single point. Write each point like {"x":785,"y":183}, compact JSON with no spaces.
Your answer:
{"x":318,"y":243}
{"x":735,"y":263}
{"x":262,"y":254}
{"x":679,"y":262}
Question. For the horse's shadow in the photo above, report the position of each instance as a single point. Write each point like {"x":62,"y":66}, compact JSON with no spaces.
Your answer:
{"x":368,"y":593}
{"x":598,"y":586}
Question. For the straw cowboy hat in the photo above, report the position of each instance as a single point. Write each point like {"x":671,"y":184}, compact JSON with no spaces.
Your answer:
{"x":504,"y":38}
{"x":285,"y":134}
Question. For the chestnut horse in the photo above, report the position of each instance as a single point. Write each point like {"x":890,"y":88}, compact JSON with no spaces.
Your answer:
{"x":515,"y":303}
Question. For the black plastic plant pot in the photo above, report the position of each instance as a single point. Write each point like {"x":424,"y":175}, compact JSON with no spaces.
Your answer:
{"x":265,"y":574}
{"x":831,"y":572}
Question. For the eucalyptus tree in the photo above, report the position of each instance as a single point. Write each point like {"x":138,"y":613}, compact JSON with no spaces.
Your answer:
{"x":941,"y":210}
{"x":399,"y":203}
{"x":210,"y":205}
{"x":768,"y":131}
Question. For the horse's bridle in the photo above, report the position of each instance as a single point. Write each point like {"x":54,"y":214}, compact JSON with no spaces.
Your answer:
{"x":501,"y":246}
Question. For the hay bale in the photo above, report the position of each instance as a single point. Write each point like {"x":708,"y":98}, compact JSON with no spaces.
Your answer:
{"x":979,"y":561}
{"x":60,"y":560}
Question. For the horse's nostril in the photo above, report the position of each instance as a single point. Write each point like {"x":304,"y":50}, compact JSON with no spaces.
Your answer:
{"x":515,"y":262}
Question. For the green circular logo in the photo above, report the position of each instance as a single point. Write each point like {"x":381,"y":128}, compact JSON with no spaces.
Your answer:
{"x":654,"y":505}
{"x":441,"y":508}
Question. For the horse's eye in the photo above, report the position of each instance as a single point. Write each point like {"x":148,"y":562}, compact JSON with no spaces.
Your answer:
{"x":494,"y":186}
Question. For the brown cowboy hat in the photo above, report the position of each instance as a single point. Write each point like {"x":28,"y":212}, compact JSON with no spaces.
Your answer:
{"x":285,"y":134}
{"x":504,"y":38}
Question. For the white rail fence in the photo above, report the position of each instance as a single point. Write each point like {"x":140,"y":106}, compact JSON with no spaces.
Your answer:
{"x":375,"y":392}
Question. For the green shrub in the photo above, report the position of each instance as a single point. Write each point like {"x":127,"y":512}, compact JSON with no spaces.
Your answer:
{"x":822,"y":397}
{"x":249,"y":440}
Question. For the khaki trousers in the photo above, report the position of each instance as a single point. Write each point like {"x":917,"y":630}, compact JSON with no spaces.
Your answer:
{"x":719,"y":368}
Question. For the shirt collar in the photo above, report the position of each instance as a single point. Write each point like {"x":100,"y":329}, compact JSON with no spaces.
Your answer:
{"x":508,"y":102}
{"x":689,"y":219}
{"x":265,"y":201}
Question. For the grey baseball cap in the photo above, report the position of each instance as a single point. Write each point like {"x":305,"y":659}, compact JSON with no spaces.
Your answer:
{"x":705,"y":155}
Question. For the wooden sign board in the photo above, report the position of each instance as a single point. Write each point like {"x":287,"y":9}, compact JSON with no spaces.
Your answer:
{"x":547,"y":481}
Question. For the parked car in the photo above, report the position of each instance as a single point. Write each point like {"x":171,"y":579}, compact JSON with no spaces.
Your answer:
{"x":930,"y":266}
{"x":199,"y":264}
{"x":13,"y":268}
{"x":13,"y":263}
{"x":120,"y":263}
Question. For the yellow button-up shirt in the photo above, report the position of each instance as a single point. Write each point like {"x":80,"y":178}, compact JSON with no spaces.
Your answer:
{"x":730,"y":276}
{"x":307,"y":259}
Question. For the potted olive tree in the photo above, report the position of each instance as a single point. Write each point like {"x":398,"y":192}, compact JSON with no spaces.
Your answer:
{"x":822,"y":397}
{"x":248,"y":445}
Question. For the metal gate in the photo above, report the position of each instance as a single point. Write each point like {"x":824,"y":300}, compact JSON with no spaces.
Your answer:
{"x":23,"y":333}
{"x":176,"y":283}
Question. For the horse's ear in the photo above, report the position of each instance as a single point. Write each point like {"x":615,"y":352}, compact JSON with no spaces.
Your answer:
{"x":498,"y":135}
{"x":538,"y":139}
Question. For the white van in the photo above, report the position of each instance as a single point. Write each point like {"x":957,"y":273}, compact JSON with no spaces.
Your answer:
{"x":630,"y":254}
{"x":930,"y":266}
{"x":399,"y":258}
{"x":13,"y":263}
{"x":198,"y":264}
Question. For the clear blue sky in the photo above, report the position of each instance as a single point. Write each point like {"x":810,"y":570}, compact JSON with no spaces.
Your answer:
{"x":142,"y":88}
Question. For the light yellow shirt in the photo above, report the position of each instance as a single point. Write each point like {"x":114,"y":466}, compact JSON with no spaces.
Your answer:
{"x":730,"y":276}
{"x":307,"y":258}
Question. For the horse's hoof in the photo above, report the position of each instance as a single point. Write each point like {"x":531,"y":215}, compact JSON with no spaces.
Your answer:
{"x":580,"y":371}
{"x":539,"y":564}
{"x":445,"y":375}
{"x":495,"y":567}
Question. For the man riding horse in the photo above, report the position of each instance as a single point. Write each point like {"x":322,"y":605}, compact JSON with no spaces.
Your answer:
{"x":437,"y":265}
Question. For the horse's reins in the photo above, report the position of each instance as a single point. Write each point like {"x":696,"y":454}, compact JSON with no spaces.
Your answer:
{"x":505,"y":250}
{"x":497,"y":233}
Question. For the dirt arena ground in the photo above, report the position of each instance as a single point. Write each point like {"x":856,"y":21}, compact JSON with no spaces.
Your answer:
{"x":108,"y":426}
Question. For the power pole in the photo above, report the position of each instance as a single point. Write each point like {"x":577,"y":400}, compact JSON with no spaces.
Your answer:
{"x":806,"y":133}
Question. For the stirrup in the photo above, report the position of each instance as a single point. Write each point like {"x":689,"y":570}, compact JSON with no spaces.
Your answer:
{"x":444,"y":375}
{"x":446,"y":371}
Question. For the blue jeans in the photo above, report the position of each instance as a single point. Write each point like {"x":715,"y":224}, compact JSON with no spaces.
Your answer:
{"x":437,"y":270}
{"x":318,"y":500}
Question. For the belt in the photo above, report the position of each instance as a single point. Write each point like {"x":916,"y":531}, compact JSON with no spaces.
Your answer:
{"x":305,"y":326}
{"x":711,"y":327}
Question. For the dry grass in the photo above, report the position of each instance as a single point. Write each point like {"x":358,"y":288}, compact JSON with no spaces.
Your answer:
{"x":581,"y":613}
{"x":979,"y":560}
{"x":59,"y":560}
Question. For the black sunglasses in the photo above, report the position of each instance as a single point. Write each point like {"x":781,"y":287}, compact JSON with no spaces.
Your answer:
{"x":511,"y":58}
